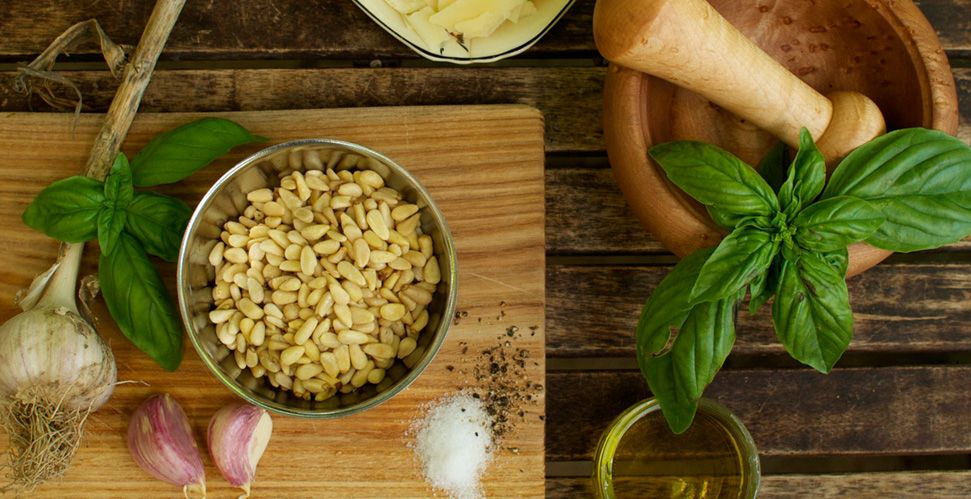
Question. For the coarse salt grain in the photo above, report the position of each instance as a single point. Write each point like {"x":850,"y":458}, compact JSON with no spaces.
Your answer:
{"x":454,"y":444}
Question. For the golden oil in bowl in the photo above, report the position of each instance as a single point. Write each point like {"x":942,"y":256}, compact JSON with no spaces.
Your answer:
{"x":638,"y":456}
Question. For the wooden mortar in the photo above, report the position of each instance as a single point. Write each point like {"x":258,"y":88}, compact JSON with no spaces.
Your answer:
{"x":741,"y":74}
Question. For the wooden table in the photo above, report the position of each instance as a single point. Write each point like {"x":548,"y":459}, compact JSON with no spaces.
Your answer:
{"x":889,"y":421}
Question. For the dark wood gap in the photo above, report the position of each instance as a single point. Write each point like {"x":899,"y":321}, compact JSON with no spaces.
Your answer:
{"x":850,"y":359}
{"x":783,"y":465}
{"x":941,"y":256}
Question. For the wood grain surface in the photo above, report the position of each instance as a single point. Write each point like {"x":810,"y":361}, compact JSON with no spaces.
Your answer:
{"x":493,"y":201}
{"x":256,"y":55}
{"x":897,"y":309}
{"x":794,"y":412}
{"x":922,"y":484}
{"x":569,"y":97}
{"x":226,"y":29}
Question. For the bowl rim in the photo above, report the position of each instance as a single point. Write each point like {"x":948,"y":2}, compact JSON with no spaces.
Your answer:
{"x":433,"y":348}
{"x":427,"y":54}
{"x":750,"y":465}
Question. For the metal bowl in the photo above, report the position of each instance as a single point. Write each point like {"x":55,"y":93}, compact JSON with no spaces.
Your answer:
{"x":227,"y":199}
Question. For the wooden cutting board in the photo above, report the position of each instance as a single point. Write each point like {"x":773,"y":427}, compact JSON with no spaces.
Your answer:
{"x":484,"y":167}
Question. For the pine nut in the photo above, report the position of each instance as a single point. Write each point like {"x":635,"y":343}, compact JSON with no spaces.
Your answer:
{"x":352,"y":337}
{"x":377,"y":224}
{"x":308,"y":371}
{"x":220,"y":316}
{"x":329,"y":362}
{"x":392,"y":311}
{"x":308,"y":260}
{"x":379,"y":350}
{"x":406,"y":346}
{"x":358,"y":357}
{"x":260,"y":196}
{"x":216,"y":254}
{"x":307,"y":329}
{"x":343,"y":356}
{"x":402,"y":212}
{"x":329,"y":341}
{"x":375,"y":376}
{"x":291,"y":355}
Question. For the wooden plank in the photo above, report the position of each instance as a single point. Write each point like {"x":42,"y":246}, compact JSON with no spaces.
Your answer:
{"x":569,"y":97}
{"x":249,"y":29}
{"x":592,"y":311}
{"x":470,"y":180}
{"x":898,"y":484}
{"x":796,"y":412}
{"x":293,"y":28}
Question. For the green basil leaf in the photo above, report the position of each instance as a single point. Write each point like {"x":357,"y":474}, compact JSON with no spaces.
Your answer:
{"x":729,"y":188}
{"x":178,"y":153}
{"x":807,"y":174}
{"x":811,"y":313}
{"x":680,"y":347}
{"x":835,"y":223}
{"x":773,"y":166}
{"x":763,"y":287}
{"x":678,"y":378}
{"x":920,"y":179}
{"x":139,"y":303}
{"x":839,"y":260}
{"x":67,"y":210}
{"x":739,"y":258}
{"x":158,"y":222}
{"x":118,"y":192}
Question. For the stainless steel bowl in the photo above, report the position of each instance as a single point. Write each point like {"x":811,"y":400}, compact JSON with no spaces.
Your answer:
{"x":227,"y":199}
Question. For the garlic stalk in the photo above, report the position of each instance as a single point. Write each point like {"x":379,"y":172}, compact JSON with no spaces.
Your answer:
{"x":161,"y":443}
{"x":54,"y":371}
{"x":238,"y":434}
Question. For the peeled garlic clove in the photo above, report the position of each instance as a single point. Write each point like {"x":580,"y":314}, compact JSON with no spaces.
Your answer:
{"x":238,"y":435}
{"x":161,"y":443}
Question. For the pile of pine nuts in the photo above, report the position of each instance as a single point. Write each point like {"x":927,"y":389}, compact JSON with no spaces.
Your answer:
{"x":323,"y":283}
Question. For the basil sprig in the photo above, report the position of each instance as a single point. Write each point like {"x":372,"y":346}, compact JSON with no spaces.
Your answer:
{"x":130,"y":225}
{"x":908,"y":190}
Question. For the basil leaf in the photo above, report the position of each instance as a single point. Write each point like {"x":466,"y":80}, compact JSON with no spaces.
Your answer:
{"x":139,"y":303}
{"x":763,"y":287}
{"x":700,"y":338}
{"x":678,"y":378}
{"x":807,"y":174}
{"x":739,"y":258}
{"x":920,"y":179}
{"x":67,"y":210}
{"x":811,"y":313}
{"x":178,"y":153}
{"x":835,"y":223}
{"x":668,"y":306}
{"x":158,"y":222}
{"x":119,"y":192}
{"x":773,"y":166}
{"x":729,"y":188}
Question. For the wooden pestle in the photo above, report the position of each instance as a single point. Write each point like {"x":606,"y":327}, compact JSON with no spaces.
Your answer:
{"x":691,"y":45}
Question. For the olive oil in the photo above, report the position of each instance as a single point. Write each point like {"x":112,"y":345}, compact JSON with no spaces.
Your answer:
{"x":708,"y":461}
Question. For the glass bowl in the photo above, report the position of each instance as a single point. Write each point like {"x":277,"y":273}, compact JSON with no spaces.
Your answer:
{"x":507,"y":41}
{"x":639,"y":456}
{"x":226,"y":199}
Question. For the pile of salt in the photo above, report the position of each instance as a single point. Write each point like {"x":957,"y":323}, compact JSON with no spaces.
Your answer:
{"x":454,"y":445}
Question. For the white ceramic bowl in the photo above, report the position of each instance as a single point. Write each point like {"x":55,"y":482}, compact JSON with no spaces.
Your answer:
{"x":507,"y":41}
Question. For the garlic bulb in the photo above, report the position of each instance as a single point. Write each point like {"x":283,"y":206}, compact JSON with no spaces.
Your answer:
{"x":56,"y":348}
{"x":238,"y":435}
{"x":54,"y":371}
{"x":161,"y":443}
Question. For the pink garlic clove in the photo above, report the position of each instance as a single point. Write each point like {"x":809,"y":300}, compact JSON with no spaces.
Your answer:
{"x":238,"y":435}
{"x":161,"y":443}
